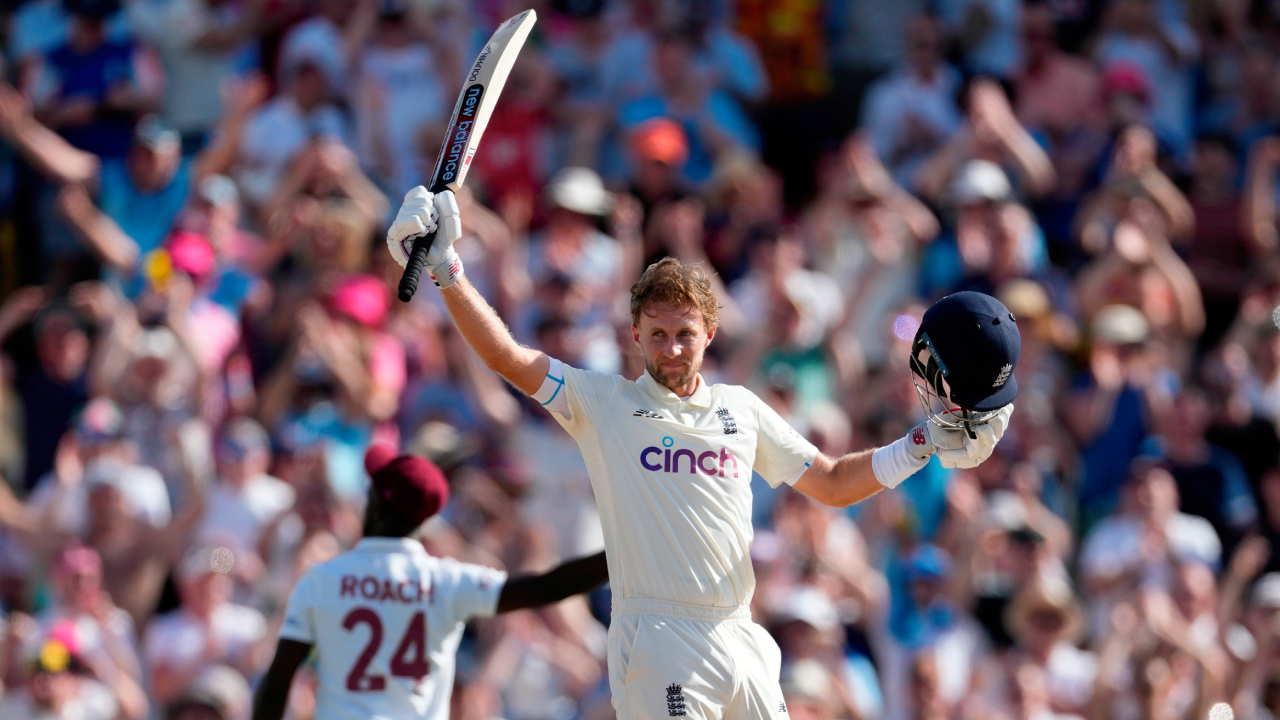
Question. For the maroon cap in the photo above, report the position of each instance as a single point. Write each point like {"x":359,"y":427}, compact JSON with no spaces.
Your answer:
{"x":410,"y":486}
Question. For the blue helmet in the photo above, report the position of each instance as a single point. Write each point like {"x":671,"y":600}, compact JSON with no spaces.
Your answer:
{"x":964,"y":356}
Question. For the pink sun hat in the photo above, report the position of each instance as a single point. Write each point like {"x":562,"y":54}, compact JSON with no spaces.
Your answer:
{"x":362,"y":298}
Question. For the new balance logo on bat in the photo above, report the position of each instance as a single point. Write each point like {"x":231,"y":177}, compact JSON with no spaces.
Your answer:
{"x":675,"y":701}
{"x":453,"y":151}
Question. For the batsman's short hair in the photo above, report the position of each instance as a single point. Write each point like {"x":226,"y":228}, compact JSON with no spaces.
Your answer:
{"x":671,"y":282}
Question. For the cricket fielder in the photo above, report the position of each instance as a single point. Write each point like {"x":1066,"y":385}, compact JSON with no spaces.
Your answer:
{"x":670,"y":459}
{"x":384,"y":619}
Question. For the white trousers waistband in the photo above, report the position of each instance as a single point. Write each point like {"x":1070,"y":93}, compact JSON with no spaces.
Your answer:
{"x":649,"y":606}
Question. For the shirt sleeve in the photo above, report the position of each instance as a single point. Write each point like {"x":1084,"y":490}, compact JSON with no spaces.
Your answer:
{"x":473,"y":589}
{"x":576,"y":398}
{"x":299,"y":621}
{"x":782,"y":455}
{"x":551,"y":394}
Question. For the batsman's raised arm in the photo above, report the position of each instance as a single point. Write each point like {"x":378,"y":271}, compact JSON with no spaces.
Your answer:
{"x":485,"y":332}
{"x":423,"y":213}
{"x":852,"y":478}
{"x":962,"y":362}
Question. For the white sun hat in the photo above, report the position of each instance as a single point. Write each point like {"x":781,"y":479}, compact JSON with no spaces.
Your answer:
{"x":579,"y":189}
{"x":980,"y":181}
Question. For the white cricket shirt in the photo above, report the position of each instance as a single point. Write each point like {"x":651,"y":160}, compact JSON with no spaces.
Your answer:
{"x":386,"y":619}
{"x":672,"y":479}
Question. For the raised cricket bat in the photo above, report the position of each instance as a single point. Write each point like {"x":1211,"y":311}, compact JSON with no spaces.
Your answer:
{"x":479,"y":96}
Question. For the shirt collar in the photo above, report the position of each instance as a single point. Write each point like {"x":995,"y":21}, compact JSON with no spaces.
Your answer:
{"x":389,"y":545}
{"x":700,"y":397}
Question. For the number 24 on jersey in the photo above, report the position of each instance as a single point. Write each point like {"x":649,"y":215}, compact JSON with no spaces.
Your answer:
{"x":408,"y":661}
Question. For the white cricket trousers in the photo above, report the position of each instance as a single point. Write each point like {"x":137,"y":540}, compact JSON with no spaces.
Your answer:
{"x":669,"y":659}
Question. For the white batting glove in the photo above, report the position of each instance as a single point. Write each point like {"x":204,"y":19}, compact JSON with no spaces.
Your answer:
{"x":898,"y":461}
{"x":421,"y":214}
{"x":443,"y":264}
{"x":955,"y":449}
{"x":416,"y":216}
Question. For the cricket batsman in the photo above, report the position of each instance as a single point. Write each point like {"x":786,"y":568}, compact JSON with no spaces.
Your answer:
{"x":671,"y":457}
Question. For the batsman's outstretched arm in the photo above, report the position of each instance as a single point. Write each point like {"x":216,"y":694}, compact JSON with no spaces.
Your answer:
{"x":840,"y":482}
{"x":566,"y":580}
{"x":485,"y":332}
{"x":857,"y":476}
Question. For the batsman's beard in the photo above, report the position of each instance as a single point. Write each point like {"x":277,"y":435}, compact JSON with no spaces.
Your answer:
{"x":677,"y":383}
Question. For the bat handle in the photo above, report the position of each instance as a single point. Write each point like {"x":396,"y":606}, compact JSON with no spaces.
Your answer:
{"x":413,"y":269}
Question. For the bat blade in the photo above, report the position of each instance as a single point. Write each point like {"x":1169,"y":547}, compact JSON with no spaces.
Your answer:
{"x":485,"y":80}
{"x":480,"y":92}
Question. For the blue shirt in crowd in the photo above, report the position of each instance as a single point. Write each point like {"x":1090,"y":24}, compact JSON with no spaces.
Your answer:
{"x":91,"y":75}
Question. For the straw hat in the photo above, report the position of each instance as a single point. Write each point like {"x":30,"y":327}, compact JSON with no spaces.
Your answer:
{"x":1120,"y":325}
{"x":1025,"y":298}
{"x":732,"y":171}
{"x":1051,"y":595}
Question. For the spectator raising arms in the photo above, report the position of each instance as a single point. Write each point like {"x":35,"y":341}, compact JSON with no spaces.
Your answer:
{"x":199,"y":345}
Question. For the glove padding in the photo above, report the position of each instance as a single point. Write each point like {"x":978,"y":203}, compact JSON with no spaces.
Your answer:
{"x":954,"y":448}
{"x":422,"y":213}
{"x":416,"y":216}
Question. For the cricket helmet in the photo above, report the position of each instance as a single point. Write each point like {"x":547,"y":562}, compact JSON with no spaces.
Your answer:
{"x":963,"y":358}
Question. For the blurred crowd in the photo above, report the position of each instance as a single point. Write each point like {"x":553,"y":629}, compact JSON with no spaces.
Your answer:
{"x":199,"y":340}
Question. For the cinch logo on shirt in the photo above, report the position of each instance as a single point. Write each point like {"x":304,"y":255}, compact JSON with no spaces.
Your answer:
{"x":383,"y":590}
{"x":708,"y":462}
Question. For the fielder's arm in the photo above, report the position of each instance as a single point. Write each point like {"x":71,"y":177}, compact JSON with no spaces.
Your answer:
{"x":572,"y":578}
{"x":272,"y":697}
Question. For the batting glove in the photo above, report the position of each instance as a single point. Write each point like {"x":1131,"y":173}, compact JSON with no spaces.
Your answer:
{"x":443,"y":263}
{"x":955,"y":449}
{"x":422,"y":213}
{"x":416,"y":216}
{"x":898,"y":461}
